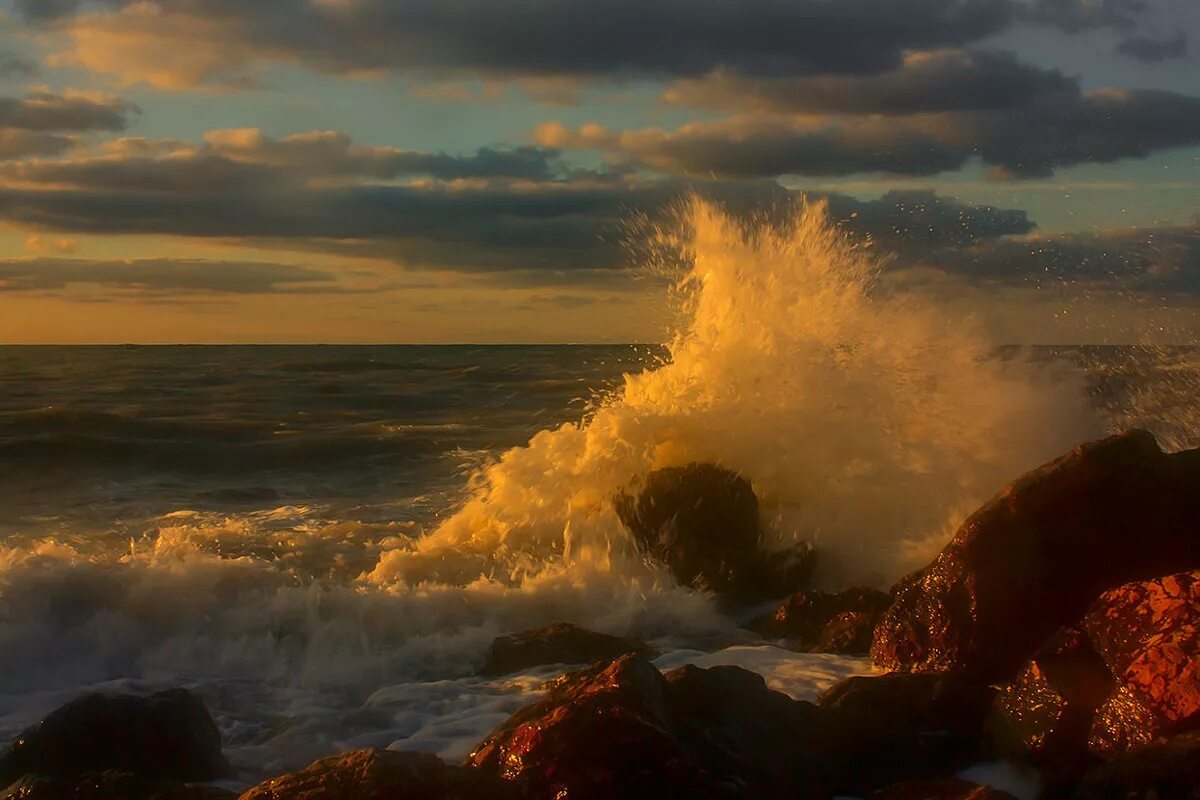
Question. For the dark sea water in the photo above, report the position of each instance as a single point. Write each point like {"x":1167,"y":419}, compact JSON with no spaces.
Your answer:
{"x":230,"y":518}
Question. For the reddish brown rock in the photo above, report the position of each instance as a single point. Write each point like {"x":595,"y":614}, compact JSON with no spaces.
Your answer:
{"x":1036,"y":556}
{"x":560,"y":643}
{"x":827,"y":622}
{"x":379,"y":774}
{"x":941,"y":790}
{"x":109,"y":785}
{"x":1149,"y":634}
{"x":623,"y":729}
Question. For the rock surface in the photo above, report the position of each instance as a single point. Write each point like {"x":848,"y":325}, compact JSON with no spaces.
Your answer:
{"x":1167,"y":770}
{"x":827,"y":622}
{"x":383,"y":774}
{"x":561,"y":643}
{"x":1038,"y":554}
{"x":902,"y":726}
{"x":169,"y":735}
{"x":623,"y":729}
{"x":941,"y":790}
{"x":110,"y":785}
{"x":702,"y":522}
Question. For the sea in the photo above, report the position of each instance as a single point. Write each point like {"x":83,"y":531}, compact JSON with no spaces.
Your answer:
{"x":322,"y":541}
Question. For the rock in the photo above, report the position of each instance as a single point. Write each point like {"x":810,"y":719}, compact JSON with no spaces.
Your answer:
{"x":1048,"y":713}
{"x":379,"y":774}
{"x":561,"y":643}
{"x":827,"y":622}
{"x":953,"y":789}
{"x":168,"y":735}
{"x":1149,"y":635}
{"x":623,"y":729}
{"x":702,"y":522}
{"x":902,"y":726}
{"x":109,"y":785}
{"x":1166,"y":770}
{"x":1036,"y":556}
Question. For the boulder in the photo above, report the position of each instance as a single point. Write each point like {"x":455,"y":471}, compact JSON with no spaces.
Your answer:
{"x":561,"y":643}
{"x":109,"y":785}
{"x":702,"y":522}
{"x":827,"y":622}
{"x":1039,"y":553}
{"x":952,"y":789}
{"x":902,"y":726}
{"x":169,"y":735}
{"x":373,"y":773}
{"x":623,"y":729}
{"x":1164,"y":770}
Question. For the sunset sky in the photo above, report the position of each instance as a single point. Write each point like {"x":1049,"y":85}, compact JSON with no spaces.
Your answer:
{"x":459,"y":170}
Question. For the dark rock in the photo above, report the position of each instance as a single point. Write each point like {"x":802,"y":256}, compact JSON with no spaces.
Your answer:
{"x":168,"y":735}
{"x":827,"y":622}
{"x":109,"y":785}
{"x":561,"y":643}
{"x":381,"y":774}
{"x":1047,"y":714}
{"x":1036,"y":556}
{"x":1165,"y":770}
{"x":623,"y":729}
{"x":702,"y":522}
{"x":952,"y":789}
{"x":1149,"y":635}
{"x":902,"y":726}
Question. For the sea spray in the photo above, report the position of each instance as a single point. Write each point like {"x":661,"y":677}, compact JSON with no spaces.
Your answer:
{"x":867,"y":421}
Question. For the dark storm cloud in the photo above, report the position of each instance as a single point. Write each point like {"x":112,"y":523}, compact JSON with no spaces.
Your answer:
{"x":160,"y":275}
{"x":16,"y":66}
{"x":950,"y":80}
{"x":1151,"y":50}
{"x":1074,"y":16}
{"x":44,"y":110}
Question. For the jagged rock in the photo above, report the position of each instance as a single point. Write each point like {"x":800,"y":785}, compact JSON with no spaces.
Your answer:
{"x":1048,"y":713}
{"x":1165,"y":770}
{"x":702,"y":522}
{"x":109,"y":785}
{"x":1149,"y":635}
{"x":168,"y":735}
{"x":827,"y":622}
{"x":561,"y":643}
{"x":623,"y":729}
{"x":952,"y":789}
{"x":1036,"y":556}
{"x":902,"y":726}
{"x":382,"y":774}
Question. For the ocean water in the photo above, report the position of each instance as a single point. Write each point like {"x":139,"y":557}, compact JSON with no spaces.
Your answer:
{"x":323,"y":541}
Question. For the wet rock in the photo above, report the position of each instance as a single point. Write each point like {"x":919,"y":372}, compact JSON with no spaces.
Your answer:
{"x":168,"y":735}
{"x":827,"y":622}
{"x":952,"y":789}
{"x":380,"y":774}
{"x":702,"y":522}
{"x":903,"y":726}
{"x":1036,"y":556}
{"x":623,"y":729}
{"x":109,"y":785}
{"x":1048,"y":712}
{"x":1149,"y":635}
{"x":1165,"y":770}
{"x":561,"y":643}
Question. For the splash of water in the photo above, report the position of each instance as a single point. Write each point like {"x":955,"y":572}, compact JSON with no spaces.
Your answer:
{"x":866,"y":421}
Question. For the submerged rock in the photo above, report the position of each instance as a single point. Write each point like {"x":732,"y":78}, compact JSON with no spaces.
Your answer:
{"x":827,"y":622}
{"x":902,"y":726}
{"x":561,"y":643}
{"x":168,"y":735}
{"x":372,"y":773}
{"x":702,"y":522}
{"x":623,"y":729}
{"x":952,"y":789}
{"x":1036,"y":556}
{"x":109,"y":785}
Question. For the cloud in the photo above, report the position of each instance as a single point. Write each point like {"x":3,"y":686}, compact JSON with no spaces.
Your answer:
{"x":45,"y":110}
{"x":16,"y":144}
{"x":161,"y":276}
{"x":14,"y":66}
{"x":1033,"y":140}
{"x":1151,"y":50}
{"x":1074,"y":16}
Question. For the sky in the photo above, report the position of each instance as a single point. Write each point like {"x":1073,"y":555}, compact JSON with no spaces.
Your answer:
{"x":464,"y":170}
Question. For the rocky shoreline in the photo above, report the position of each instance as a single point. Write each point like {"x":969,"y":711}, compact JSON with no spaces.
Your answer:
{"x":1059,"y":629}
